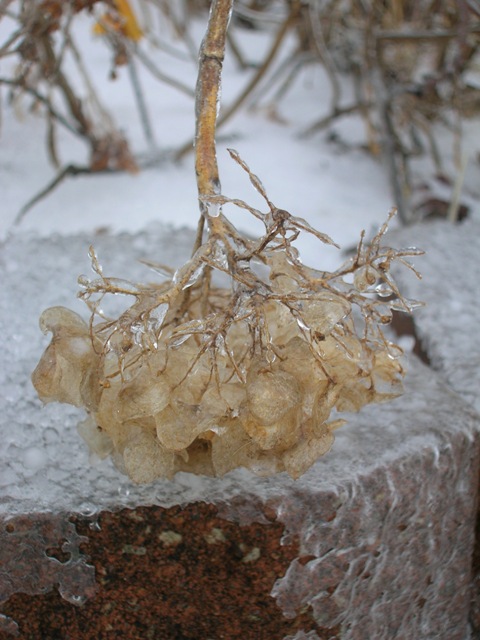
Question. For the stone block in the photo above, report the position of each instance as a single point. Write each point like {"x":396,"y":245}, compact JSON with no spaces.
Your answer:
{"x":374,"y":541}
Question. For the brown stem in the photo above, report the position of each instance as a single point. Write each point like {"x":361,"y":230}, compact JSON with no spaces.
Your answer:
{"x":74,"y":103}
{"x":212,"y":53}
{"x":228,"y":113}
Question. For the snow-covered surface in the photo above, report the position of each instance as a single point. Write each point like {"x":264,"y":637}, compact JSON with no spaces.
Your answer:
{"x":448,"y":324}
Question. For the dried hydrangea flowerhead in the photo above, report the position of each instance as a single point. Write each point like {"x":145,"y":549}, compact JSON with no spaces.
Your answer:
{"x":194,"y":377}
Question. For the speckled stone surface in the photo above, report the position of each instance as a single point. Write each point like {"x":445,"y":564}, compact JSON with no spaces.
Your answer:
{"x":374,"y":541}
{"x":169,"y":574}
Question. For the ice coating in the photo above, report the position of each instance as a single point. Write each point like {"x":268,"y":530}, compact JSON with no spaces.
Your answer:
{"x":448,"y":324}
{"x":33,"y":571}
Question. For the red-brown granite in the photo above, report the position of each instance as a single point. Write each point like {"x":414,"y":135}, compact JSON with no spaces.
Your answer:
{"x":475,"y":594}
{"x":169,"y":574}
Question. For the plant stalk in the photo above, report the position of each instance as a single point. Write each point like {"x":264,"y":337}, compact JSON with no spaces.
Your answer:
{"x":212,"y":54}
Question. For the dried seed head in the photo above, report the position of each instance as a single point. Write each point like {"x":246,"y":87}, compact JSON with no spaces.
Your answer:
{"x":202,"y":379}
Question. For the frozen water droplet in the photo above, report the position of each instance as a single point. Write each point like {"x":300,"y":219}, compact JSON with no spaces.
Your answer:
{"x":125,"y":285}
{"x":182,"y":274}
{"x":293,"y":256}
{"x":84,"y":281}
{"x":124,"y":490}
{"x":406,"y":305}
{"x":74,"y":598}
{"x":302,"y":324}
{"x":161,"y":269}
{"x":415,"y":304}
{"x":213,"y":209}
{"x":383,"y":313}
{"x":94,"y":526}
{"x":177,"y":342}
{"x":219,"y":256}
{"x":34,"y":458}
{"x":194,"y":277}
{"x":270,"y":356}
{"x":96,"y":266}
{"x":158,"y":315}
{"x":220,"y":344}
{"x":364,"y":278}
{"x":138,"y":331}
{"x":383,"y":290}
{"x":87,"y":509}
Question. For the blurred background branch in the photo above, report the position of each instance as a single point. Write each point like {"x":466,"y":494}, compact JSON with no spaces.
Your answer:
{"x":409,"y":69}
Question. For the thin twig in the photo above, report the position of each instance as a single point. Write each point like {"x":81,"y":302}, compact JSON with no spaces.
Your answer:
{"x":38,"y":96}
{"x":237,"y":52}
{"x":3,"y":6}
{"x":454,"y":207}
{"x":61,"y":81}
{"x":107,"y":120}
{"x":141,"y":104}
{"x":287,"y":24}
{"x":163,"y":77}
{"x":66,"y":38}
{"x":324,"y":54}
{"x":6,"y":48}
{"x":337,"y":112}
{"x":294,"y":63}
{"x":69,"y":170}
{"x":394,"y":154}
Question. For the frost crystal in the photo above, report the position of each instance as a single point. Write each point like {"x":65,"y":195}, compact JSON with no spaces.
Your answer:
{"x":198,"y":378}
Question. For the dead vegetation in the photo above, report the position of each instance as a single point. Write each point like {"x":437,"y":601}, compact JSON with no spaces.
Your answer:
{"x":408,"y":69}
{"x":412,"y":68}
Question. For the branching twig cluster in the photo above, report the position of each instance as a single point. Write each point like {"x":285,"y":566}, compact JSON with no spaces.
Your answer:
{"x":409,"y":63}
{"x":42,"y":46}
{"x":301,"y":292}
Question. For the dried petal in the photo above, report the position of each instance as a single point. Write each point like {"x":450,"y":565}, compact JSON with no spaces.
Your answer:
{"x":146,"y":460}
{"x":301,"y":457}
{"x":271,"y":394}
{"x":98,"y":441}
